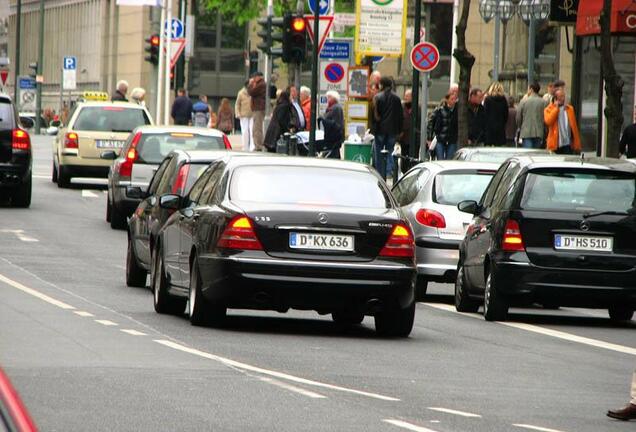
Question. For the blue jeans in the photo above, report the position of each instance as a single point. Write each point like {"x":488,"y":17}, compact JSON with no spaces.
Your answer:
{"x":384,"y":142}
{"x":536,"y":143}
{"x":445,"y":151}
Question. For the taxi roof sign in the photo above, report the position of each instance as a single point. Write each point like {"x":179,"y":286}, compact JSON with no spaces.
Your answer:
{"x":94,"y":96}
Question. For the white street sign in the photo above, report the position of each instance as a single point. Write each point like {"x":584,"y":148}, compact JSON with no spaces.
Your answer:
{"x":27,"y":95}
{"x":69,"y":79}
{"x":333,"y":76}
{"x":381,"y":27}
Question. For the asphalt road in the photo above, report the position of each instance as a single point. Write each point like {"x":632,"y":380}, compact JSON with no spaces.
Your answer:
{"x":88,"y":353}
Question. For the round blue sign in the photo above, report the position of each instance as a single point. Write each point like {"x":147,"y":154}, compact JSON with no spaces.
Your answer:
{"x":323,"y":5}
{"x":334,"y":73}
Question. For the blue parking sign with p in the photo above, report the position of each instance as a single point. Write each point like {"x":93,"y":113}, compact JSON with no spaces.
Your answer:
{"x":70,"y":63}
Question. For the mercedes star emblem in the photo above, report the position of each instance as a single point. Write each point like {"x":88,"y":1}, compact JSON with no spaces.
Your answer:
{"x":585,"y":225}
{"x":322,"y":218}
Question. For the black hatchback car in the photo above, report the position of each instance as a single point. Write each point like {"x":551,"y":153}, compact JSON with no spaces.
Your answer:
{"x":278,"y":233}
{"x":15,"y":156}
{"x":553,"y":230}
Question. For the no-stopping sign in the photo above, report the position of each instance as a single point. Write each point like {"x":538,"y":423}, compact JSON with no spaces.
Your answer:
{"x":424,"y":57}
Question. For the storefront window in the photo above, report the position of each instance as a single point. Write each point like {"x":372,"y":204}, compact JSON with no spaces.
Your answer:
{"x":590,"y":92}
{"x":232,"y":62}
{"x":547,"y":52}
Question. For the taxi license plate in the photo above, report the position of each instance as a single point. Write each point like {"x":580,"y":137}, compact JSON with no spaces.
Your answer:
{"x":583,"y":243}
{"x":109,"y":143}
{"x":326,"y":242}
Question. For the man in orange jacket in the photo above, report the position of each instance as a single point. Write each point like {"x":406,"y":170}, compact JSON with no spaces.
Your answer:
{"x":563,"y":131}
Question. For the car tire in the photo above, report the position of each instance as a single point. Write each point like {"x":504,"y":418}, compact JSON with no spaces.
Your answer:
{"x":463,"y":302}
{"x":54,"y":174}
{"x":394,"y":321}
{"x":117,"y":219}
{"x":621,"y":313}
{"x":135,"y":275}
{"x":109,"y":209}
{"x":495,"y":307}
{"x":164,"y":303}
{"x":22,"y":195}
{"x":421,"y":285}
{"x":347,"y":317}
{"x":63,"y":178}
{"x":201,"y":311}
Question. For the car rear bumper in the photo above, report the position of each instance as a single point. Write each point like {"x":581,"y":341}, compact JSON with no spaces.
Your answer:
{"x":124,"y":204}
{"x":523,"y":282}
{"x":259,"y":281}
{"x":437,"y":258}
{"x":14,"y":174}
{"x":84,"y":167}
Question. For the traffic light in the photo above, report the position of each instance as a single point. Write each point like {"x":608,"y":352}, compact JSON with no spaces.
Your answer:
{"x":152,"y":48}
{"x":294,"y":39}
{"x":34,"y":70}
{"x":265,"y":34}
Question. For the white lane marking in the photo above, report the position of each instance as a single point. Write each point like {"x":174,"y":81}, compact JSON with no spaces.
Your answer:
{"x":408,"y":426}
{"x":88,"y":194}
{"x":281,"y":375}
{"x":35,"y":293}
{"x":83,"y":314}
{"x":548,"y":332}
{"x":536,"y":428}
{"x":20,"y":235}
{"x":106,"y":323}
{"x":133,"y":332}
{"x":47,"y":177}
{"x":455,"y":412}
{"x":293,"y":388}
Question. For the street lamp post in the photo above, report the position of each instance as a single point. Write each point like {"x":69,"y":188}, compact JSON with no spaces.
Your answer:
{"x":501,"y":11}
{"x":532,"y":11}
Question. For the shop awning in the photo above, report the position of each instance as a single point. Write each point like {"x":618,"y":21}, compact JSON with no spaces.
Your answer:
{"x":623,"y":20}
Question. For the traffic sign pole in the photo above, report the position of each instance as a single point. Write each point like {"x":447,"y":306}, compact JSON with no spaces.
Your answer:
{"x":38,"y":107}
{"x":168,"y":36}
{"x":415,"y":86}
{"x":314,"y":84}
{"x":424,"y":118}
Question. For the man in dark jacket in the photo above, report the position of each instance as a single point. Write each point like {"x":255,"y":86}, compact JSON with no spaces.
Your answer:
{"x":181,"y":109}
{"x":443,"y":126}
{"x":387,"y":112}
{"x":256,"y":88}
{"x":628,"y":140}
{"x":120,"y":93}
{"x":476,"y":118}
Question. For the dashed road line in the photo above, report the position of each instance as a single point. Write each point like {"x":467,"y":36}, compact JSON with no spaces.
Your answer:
{"x":454,"y":412}
{"x":83,"y":313}
{"x":88,"y":194}
{"x":133,"y":332}
{"x":407,"y":426}
{"x":293,"y":388}
{"x":35,"y":293}
{"x":546,"y":331}
{"x":276,"y":374}
{"x":20,"y":235}
{"x":107,"y":323}
{"x":536,"y":428}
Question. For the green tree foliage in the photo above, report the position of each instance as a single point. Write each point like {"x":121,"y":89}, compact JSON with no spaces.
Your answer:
{"x":242,"y":11}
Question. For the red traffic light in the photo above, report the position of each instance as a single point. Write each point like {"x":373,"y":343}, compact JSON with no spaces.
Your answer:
{"x":298,"y":24}
{"x":154,"y":40}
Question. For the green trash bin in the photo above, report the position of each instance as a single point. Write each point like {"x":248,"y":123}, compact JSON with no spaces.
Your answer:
{"x":358,"y":152}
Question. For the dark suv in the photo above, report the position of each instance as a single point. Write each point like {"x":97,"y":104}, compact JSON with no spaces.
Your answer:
{"x":15,"y":156}
{"x":553,"y":230}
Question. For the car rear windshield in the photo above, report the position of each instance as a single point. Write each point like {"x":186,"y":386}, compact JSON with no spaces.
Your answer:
{"x":6,"y":115}
{"x":302,"y":185}
{"x":579,"y":190}
{"x":110,"y":119}
{"x":153,"y":148}
{"x":452,"y":187}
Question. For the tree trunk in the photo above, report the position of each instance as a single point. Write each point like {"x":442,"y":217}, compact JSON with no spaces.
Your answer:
{"x":466,"y":61}
{"x":613,"y":83}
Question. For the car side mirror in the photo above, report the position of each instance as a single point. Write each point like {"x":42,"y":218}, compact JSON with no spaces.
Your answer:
{"x":170,"y":202}
{"x":136,"y":192}
{"x":468,"y":206}
{"x":27,"y":122}
{"x":52,"y":131}
{"x":109,"y":155}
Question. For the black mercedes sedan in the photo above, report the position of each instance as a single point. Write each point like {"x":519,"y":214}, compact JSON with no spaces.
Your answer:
{"x":175,"y":174}
{"x":276,"y":233}
{"x":553,"y":230}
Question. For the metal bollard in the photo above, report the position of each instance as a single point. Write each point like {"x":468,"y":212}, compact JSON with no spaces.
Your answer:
{"x":293,"y":145}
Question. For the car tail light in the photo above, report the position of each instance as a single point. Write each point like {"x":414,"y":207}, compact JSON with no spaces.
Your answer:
{"x":430,"y":218}
{"x":512,"y":239}
{"x":71,"y":140}
{"x":180,"y":182}
{"x":226,"y":142}
{"x":20,"y":140}
{"x":400,"y":243}
{"x":239,"y":234}
{"x":125,"y":167}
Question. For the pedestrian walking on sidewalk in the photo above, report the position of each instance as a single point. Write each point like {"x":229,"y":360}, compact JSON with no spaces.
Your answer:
{"x":225,"y":117}
{"x":280,"y":123}
{"x":388,"y":116}
{"x":511,"y":123}
{"x":138,"y":96}
{"x":243,"y":110}
{"x":442,"y":127}
{"x":120,"y":92}
{"x":530,"y":118}
{"x":476,"y":118}
{"x":333,"y":124}
{"x":563,"y":131}
{"x":629,"y":411}
{"x":496,"y":115}
{"x":181,"y":111}
{"x":201,"y":112}
{"x":305,"y":103}
{"x":256,"y":88}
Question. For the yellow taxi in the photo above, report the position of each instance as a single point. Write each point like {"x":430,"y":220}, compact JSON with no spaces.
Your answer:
{"x":94,"y":127}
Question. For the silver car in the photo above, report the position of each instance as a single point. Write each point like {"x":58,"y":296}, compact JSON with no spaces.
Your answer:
{"x":140,"y":156}
{"x":428,"y":195}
